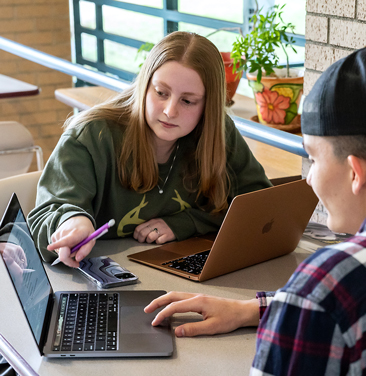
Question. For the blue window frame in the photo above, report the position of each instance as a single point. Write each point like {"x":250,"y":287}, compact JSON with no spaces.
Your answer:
{"x":106,"y":38}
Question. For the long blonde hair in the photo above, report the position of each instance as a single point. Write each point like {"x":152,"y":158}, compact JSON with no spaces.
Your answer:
{"x":138,"y":168}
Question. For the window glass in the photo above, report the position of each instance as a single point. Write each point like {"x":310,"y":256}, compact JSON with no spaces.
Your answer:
{"x":89,"y":47}
{"x":222,"y":39}
{"x":228,"y":10}
{"x":148,"y":28}
{"x":148,"y":3}
{"x":87,"y":14}
{"x":294,"y":12}
{"x":132,"y":25}
{"x":121,"y":56}
{"x":294,"y":57}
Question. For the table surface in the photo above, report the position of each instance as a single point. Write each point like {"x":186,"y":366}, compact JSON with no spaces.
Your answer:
{"x":205,"y":355}
{"x":11,"y":88}
{"x":276,"y":162}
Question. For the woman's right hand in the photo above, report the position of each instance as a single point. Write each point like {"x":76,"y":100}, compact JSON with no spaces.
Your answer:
{"x":70,"y":233}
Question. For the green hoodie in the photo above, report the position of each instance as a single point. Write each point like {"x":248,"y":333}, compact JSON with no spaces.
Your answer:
{"x":81,"y":178}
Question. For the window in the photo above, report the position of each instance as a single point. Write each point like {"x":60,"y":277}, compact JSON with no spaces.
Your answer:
{"x":108,"y":33}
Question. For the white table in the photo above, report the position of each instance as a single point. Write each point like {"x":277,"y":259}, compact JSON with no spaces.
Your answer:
{"x":11,"y":88}
{"x":208,"y":355}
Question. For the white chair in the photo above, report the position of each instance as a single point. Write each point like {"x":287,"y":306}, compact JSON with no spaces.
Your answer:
{"x":25,"y":186}
{"x":17,"y":149}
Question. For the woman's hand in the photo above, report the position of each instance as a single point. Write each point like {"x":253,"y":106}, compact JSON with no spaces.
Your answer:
{"x":219,"y":315}
{"x":69,"y":234}
{"x":155,"y":230}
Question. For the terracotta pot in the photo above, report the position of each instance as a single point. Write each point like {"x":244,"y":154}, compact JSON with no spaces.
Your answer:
{"x":278,"y":98}
{"x":232,"y":79}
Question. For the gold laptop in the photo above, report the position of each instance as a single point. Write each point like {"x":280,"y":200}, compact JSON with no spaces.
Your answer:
{"x":258,"y":226}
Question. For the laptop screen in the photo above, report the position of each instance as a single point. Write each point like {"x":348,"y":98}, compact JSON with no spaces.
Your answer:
{"x":24,"y":265}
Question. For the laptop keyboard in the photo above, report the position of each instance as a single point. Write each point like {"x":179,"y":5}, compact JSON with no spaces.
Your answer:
{"x":192,"y":264}
{"x":87,"y":322}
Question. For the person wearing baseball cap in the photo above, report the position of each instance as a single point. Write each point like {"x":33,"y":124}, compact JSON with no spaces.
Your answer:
{"x":316,"y":323}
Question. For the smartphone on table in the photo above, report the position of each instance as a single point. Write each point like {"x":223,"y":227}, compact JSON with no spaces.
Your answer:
{"x":106,"y":273}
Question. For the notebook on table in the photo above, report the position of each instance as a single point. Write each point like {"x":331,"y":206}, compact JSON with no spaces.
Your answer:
{"x":77,"y":323}
{"x":258,"y":226}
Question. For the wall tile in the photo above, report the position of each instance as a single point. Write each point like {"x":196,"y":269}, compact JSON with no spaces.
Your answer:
{"x":309,"y":80}
{"x":316,"y":28}
{"x":347,"y":33}
{"x":320,"y":57}
{"x":361,"y":10}
{"x":341,"y":8}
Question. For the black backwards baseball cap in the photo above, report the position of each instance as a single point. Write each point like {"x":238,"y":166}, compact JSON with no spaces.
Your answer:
{"x":336,"y":105}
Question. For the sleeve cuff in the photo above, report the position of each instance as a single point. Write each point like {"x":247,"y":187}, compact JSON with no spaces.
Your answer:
{"x":181,"y":224}
{"x":264,"y":300}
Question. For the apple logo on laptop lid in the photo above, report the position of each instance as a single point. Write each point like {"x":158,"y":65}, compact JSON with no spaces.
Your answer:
{"x":268,"y":226}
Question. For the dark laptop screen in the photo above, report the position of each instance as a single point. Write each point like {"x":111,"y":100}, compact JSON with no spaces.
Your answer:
{"x":24,"y":266}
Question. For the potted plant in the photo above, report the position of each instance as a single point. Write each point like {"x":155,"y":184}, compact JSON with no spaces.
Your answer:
{"x":277,"y":90}
{"x":232,"y":75}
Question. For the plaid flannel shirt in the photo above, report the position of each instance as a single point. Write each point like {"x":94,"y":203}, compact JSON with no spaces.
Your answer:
{"x":316,"y":324}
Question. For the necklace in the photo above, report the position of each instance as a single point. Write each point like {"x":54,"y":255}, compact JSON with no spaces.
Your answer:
{"x":161,"y":190}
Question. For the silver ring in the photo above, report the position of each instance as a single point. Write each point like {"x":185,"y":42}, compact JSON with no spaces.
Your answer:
{"x":156,"y":230}
{"x":149,"y":228}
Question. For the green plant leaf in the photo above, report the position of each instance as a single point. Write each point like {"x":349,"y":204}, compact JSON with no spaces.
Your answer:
{"x":256,"y":86}
{"x":258,"y":46}
{"x":146,"y":47}
{"x":143,"y":51}
{"x":296,"y":89}
{"x":291,"y":113}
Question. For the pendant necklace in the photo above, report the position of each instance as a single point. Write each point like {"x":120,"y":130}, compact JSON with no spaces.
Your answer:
{"x":161,"y":190}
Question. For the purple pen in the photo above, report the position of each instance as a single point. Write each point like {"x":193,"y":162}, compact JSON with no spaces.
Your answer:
{"x":95,"y":235}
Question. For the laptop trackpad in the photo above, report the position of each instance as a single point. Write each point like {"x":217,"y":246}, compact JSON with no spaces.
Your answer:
{"x":137,"y":335}
{"x":135,"y":320}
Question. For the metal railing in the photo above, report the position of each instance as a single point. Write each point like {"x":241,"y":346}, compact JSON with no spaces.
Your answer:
{"x":62,"y":65}
{"x":274,"y":137}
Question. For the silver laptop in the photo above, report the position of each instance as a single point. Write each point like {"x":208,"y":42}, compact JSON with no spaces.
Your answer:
{"x":258,"y":226}
{"x":77,"y":323}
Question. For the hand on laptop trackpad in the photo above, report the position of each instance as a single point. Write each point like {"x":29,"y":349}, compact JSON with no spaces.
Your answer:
{"x":139,"y":336}
{"x":135,"y":320}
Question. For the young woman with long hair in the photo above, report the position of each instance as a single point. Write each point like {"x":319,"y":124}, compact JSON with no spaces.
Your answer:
{"x":162,"y":158}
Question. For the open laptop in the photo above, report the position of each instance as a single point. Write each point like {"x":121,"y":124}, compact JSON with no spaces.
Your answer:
{"x":77,"y":323}
{"x":258,"y":226}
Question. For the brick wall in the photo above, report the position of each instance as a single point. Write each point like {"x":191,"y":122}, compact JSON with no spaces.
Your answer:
{"x":45,"y":26}
{"x":334,"y":28}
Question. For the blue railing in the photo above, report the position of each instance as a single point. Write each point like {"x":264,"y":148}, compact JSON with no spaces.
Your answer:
{"x":247,"y":128}
{"x":62,"y":65}
{"x":270,"y":136}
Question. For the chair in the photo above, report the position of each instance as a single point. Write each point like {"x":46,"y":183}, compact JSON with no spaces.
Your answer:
{"x":16,"y":149}
{"x":25,"y":186}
